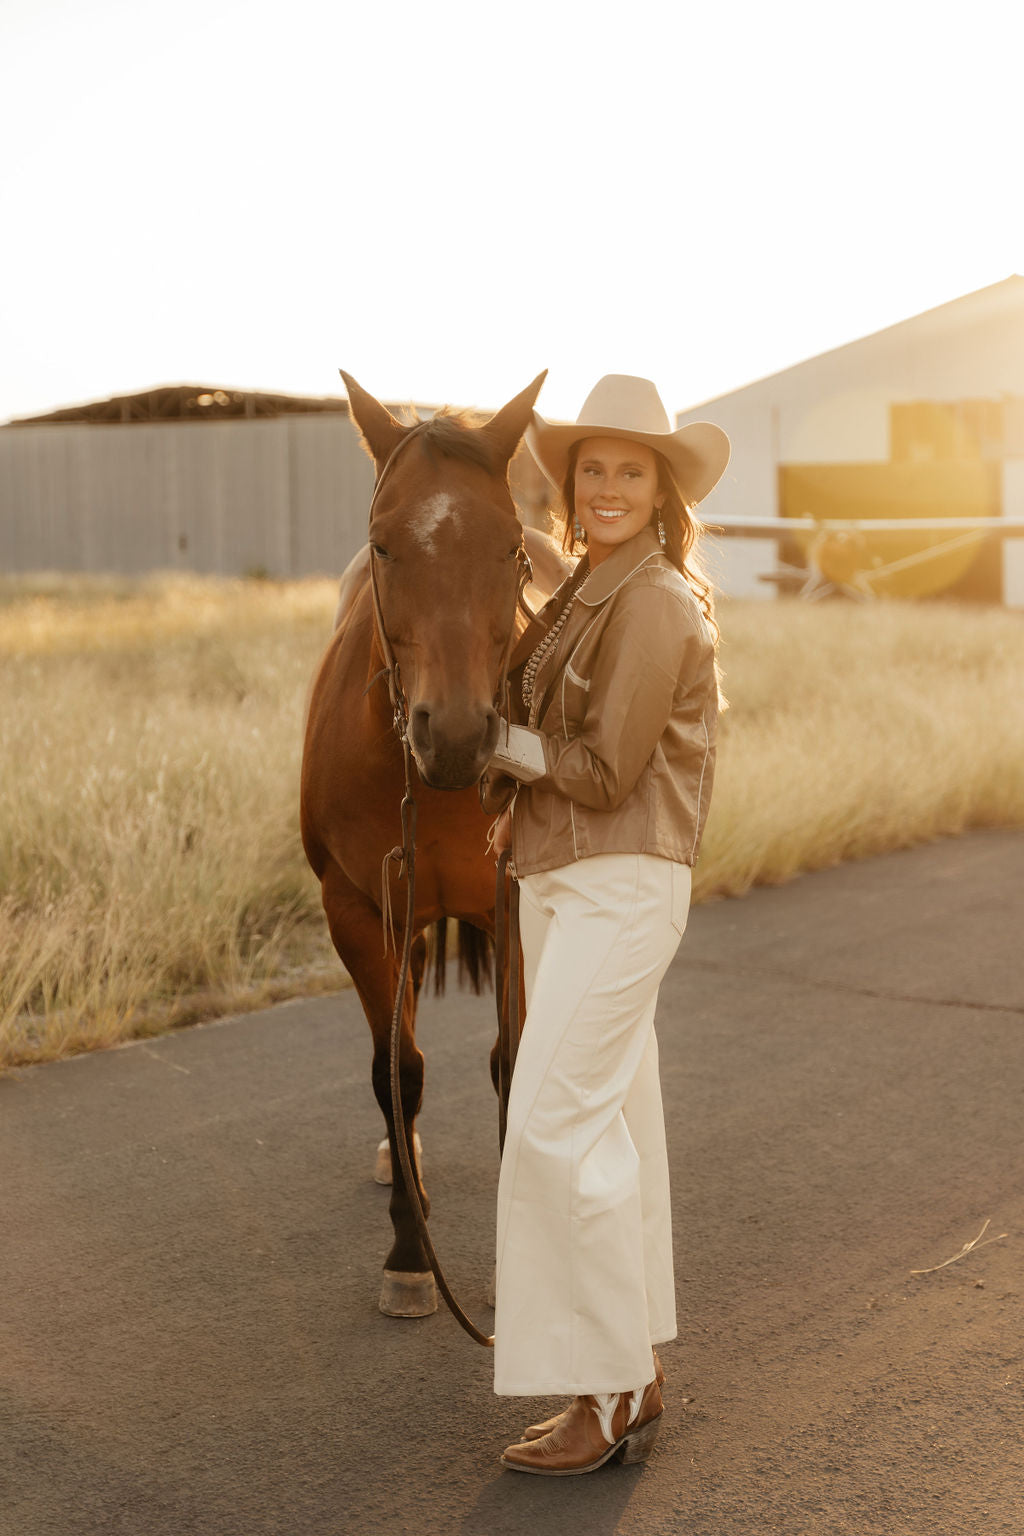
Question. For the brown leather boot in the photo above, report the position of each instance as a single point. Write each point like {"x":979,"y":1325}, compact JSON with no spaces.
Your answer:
{"x":593,"y":1430}
{"x":537,"y":1431}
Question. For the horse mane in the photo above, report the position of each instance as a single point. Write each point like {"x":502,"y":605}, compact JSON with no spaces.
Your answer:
{"x":453,"y":435}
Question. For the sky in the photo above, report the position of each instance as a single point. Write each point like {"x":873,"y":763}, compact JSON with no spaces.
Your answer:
{"x":445,"y":200}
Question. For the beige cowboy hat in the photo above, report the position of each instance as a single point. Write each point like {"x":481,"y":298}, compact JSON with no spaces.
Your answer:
{"x":620,"y":405}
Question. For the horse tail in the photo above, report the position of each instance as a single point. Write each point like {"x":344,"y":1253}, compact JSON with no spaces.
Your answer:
{"x":437,"y":954}
{"x":475,"y":956}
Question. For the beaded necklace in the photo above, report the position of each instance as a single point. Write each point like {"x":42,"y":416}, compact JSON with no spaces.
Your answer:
{"x":540,"y":655}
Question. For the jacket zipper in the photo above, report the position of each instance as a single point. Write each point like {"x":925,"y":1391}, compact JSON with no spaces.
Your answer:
{"x":572,"y":807}
{"x":700,"y":786}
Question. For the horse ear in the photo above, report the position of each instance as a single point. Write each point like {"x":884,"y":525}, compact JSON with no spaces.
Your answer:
{"x":379,"y":430}
{"x":505,"y":429}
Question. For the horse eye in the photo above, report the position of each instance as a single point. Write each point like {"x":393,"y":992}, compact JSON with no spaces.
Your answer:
{"x":513,"y":552}
{"x":380,"y":551}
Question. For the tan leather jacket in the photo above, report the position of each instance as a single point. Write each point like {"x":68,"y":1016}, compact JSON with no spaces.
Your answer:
{"x":627,"y":709}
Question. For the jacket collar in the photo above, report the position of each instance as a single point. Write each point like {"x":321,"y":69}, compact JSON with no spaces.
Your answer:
{"x":610,"y":574}
{"x":619,"y":566}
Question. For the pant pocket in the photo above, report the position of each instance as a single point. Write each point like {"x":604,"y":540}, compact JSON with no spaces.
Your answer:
{"x":682,"y":877}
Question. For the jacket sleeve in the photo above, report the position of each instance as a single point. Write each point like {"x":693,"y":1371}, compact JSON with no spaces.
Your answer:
{"x":650,"y":646}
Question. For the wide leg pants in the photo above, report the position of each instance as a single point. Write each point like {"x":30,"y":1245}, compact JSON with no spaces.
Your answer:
{"x":584,"y":1282}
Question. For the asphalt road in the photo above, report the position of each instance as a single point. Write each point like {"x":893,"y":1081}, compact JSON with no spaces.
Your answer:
{"x":190,"y":1245}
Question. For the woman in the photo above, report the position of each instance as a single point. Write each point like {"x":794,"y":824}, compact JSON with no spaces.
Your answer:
{"x":611,"y":772}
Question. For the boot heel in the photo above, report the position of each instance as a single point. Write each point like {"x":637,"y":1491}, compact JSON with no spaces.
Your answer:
{"x":639,"y":1445}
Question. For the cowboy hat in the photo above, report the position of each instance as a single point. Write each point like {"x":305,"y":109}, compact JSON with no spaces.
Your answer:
{"x":620,"y":405}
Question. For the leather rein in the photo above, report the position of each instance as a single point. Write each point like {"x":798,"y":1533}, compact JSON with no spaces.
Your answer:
{"x":506,"y":928}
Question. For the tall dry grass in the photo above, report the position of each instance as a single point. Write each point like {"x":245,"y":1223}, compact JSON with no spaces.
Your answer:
{"x":854,"y":729}
{"x":150,"y":864}
{"x":150,"y":736}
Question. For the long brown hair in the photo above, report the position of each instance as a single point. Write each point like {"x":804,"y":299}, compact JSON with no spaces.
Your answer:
{"x":682,"y":527}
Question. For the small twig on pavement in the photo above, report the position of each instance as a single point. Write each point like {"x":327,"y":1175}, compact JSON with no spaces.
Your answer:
{"x":966,"y":1249}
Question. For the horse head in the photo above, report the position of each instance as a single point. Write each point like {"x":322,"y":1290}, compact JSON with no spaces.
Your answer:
{"x":447,"y":560}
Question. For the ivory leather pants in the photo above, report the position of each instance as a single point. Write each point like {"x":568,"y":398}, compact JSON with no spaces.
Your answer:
{"x":584,"y":1281}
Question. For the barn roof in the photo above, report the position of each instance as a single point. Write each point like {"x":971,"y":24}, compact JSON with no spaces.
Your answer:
{"x":190,"y":402}
{"x":1006,"y":295}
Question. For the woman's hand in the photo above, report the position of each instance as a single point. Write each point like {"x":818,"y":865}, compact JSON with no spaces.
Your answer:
{"x":501,"y":833}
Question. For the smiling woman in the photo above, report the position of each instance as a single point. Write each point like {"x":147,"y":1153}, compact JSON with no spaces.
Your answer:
{"x":622,"y":479}
{"x":615,"y":762}
{"x":615,"y":489}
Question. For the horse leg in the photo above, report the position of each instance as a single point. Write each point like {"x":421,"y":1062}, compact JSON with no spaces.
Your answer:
{"x":383,"y":1169}
{"x":503,"y":968}
{"x":495,"y":1059}
{"x":408,"y":1289}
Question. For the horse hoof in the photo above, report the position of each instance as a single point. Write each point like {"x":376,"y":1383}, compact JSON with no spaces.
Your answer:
{"x":407,"y":1294}
{"x":382,"y":1168}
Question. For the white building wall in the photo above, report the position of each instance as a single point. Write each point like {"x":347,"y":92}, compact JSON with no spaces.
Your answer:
{"x":835,"y":408}
{"x":1013,"y":549}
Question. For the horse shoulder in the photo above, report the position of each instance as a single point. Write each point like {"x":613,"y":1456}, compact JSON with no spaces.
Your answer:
{"x":550,"y":566}
{"x":353,"y":579}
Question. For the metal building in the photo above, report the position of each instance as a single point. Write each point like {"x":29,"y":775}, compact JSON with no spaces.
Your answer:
{"x":922,"y":419}
{"x":190,"y":477}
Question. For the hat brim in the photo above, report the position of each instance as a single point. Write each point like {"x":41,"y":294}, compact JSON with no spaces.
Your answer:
{"x":698,"y":453}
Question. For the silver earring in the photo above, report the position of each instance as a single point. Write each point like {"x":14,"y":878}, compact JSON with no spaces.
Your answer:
{"x":577,"y":530}
{"x":661,"y":531}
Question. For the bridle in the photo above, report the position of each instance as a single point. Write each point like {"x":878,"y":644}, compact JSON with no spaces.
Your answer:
{"x":391,"y":669}
{"x":405,"y":857}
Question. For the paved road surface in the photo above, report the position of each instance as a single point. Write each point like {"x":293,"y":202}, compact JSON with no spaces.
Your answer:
{"x":190,"y":1243}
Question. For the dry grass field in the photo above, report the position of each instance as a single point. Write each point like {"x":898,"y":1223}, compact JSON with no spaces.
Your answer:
{"x":150,"y":734}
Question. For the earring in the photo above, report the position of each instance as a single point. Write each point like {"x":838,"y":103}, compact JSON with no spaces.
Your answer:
{"x":577,"y":531}
{"x":661,"y":531}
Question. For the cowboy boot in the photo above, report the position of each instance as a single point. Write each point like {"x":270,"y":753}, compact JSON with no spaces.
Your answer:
{"x":593,"y":1430}
{"x":537,"y":1431}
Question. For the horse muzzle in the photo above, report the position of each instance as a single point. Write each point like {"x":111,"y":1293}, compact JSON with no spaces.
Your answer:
{"x":452,"y":745}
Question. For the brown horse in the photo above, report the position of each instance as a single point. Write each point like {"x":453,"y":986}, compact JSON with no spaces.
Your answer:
{"x":445,"y":547}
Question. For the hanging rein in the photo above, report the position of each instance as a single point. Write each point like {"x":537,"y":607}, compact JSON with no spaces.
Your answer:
{"x":506,"y":927}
